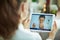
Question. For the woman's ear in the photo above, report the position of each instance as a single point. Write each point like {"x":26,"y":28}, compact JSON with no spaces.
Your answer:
{"x":21,"y":11}
{"x":22,"y":7}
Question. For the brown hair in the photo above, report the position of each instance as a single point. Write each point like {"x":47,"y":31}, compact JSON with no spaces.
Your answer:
{"x":9,"y":17}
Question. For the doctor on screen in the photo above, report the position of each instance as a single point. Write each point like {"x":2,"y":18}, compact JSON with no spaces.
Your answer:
{"x":41,"y":21}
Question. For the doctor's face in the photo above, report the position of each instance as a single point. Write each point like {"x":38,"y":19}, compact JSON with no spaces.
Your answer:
{"x":41,"y":20}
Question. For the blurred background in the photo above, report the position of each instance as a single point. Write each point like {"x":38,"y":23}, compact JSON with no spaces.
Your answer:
{"x":45,"y":6}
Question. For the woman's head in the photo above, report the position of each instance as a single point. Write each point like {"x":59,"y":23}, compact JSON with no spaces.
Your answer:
{"x":9,"y":17}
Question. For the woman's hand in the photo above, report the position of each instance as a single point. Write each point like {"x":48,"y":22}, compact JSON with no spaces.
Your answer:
{"x":53,"y":32}
{"x":26,"y":23}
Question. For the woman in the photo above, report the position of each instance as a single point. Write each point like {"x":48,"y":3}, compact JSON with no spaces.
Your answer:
{"x":9,"y":22}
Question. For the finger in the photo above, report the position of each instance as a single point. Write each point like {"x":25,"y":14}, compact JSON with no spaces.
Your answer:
{"x":54,"y":27}
{"x":55,"y":24}
{"x":52,"y":33}
{"x":28,"y":18}
{"x":26,"y":21}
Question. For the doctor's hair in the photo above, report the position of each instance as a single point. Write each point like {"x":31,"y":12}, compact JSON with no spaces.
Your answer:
{"x":42,"y":16}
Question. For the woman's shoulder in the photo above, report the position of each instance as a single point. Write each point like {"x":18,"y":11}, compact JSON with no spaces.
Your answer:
{"x":26,"y":35}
